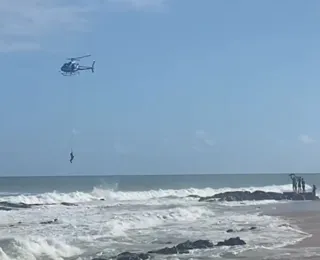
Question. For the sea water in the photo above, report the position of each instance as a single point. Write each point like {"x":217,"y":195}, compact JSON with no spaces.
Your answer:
{"x":114,"y":214}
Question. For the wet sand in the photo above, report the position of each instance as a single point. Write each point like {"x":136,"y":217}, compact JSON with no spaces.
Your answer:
{"x":306,"y":216}
{"x":309,"y":222}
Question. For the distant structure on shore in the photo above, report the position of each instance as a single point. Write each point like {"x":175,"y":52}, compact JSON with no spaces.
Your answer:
{"x":299,"y":185}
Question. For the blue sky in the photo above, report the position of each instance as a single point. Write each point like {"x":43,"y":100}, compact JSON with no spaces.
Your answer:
{"x":181,"y":86}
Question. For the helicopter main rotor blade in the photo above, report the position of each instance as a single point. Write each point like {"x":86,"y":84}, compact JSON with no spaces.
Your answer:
{"x":78,"y":58}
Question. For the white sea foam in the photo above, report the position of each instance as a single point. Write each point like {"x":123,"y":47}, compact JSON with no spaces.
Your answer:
{"x":112,"y":196}
{"x":250,"y":203}
{"x":50,"y":198}
{"x":27,"y":248}
{"x":133,"y":220}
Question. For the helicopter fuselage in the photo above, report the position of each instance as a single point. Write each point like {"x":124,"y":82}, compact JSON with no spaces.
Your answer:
{"x":70,"y":67}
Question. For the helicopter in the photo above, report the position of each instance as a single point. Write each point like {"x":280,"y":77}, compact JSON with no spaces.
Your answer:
{"x":73,"y":67}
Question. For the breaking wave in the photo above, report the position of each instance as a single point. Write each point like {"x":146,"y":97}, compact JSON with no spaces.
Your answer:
{"x":36,"y":247}
{"x":143,"y":218}
{"x":112,"y":196}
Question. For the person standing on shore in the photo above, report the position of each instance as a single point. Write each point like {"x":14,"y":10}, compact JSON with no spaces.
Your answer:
{"x":299,"y":184}
{"x":303,"y":185}
{"x":314,"y":188}
{"x":294,"y":182}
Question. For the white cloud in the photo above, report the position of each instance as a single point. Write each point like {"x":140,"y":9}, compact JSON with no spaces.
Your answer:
{"x":204,"y":137}
{"x":306,"y":139}
{"x":25,"y":23}
{"x":202,"y":141}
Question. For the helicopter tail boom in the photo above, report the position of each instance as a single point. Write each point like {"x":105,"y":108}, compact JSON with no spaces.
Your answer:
{"x":87,"y":67}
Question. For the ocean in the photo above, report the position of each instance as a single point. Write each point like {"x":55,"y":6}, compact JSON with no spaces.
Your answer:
{"x":114,"y":214}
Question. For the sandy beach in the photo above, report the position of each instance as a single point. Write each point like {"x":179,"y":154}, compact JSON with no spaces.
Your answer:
{"x":309,"y":222}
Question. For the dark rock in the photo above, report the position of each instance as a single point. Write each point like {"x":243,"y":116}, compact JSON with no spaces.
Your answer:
{"x":309,"y":196}
{"x":234,"y":241}
{"x":132,"y":256}
{"x":161,"y":242}
{"x":12,"y":225}
{"x":201,"y":244}
{"x":183,"y":248}
{"x":297,"y":197}
{"x":241,"y":230}
{"x":5,"y":208}
{"x":50,"y":221}
{"x":126,"y":256}
{"x":168,"y":251}
{"x":259,"y":195}
{"x":14,"y":205}
{"x":68,"y":204}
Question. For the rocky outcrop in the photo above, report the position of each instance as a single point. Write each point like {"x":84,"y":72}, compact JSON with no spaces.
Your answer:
{"x":259,"y":195}
{"x":7,"y":204}
{"x":68,"y":204}
{"x":240,"y":230}
{"x":127,"y":256}
{"x":5,"y":208}
{"x":234,"y":241}
{"x":182,"y":248}
{"x":132,"y":256}
{"x":55,"y":221}
{"x":161,"y":242}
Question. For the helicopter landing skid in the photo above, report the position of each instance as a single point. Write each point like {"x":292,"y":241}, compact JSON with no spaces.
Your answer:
{"x":70,"y":73}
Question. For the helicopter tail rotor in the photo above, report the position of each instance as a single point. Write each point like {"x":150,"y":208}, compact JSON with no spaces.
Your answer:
{"x":92,"y":67}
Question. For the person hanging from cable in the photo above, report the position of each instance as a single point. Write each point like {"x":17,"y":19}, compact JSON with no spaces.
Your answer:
{"x":71,"y":156}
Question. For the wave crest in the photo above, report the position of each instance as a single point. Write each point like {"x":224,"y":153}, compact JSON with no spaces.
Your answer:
{"x":111,"y":195}
{"x":36,"y":247}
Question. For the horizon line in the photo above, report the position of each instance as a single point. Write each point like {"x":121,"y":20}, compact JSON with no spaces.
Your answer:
{"x":150,"y":174}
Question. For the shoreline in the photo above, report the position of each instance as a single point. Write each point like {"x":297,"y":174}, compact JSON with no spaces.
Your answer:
{"x":305,"y":216}
{"x":307,"y":222}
